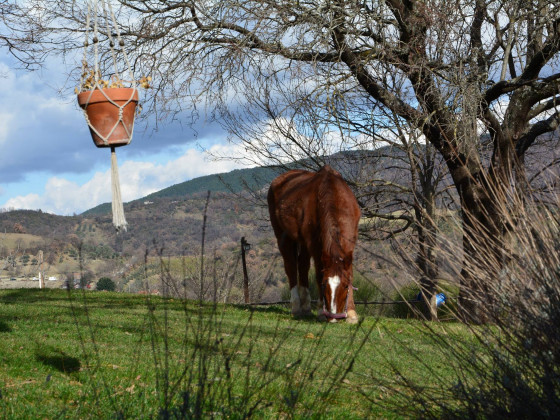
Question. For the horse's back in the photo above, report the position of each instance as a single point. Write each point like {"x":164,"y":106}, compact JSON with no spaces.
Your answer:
{"x":286,"y":181}
{"x":296,"y":182}
{"x":297,"y":198}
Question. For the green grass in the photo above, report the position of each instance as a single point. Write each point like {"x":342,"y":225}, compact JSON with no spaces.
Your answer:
{"x":109,"y":355}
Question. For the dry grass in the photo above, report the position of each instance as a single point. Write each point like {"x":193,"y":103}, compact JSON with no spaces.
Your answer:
{"x":21,"y":240}
{"x":509,"y":366}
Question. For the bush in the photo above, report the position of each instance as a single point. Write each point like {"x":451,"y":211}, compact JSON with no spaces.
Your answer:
{"x":368,"y":291}
{"x":417,"y":309}
{"x":105,"y":283}
{"x":515,"y":370}
{"x":407,"y":293}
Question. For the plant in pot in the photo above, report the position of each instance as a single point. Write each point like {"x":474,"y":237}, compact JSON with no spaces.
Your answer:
{"x":109,"y":107}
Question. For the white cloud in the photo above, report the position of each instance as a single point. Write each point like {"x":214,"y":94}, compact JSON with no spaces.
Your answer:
{"x":137,"y":179}
{"x":29,"y":201}
{"x":5,"y":119}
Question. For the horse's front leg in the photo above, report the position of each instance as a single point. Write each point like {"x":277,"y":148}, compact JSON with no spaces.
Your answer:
{"x":351,"y":314}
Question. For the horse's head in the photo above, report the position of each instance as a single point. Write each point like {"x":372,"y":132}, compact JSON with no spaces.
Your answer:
{"x":337,"y":282}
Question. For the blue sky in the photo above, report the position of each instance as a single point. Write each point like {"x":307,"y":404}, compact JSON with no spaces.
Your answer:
{"x":48,"y":160}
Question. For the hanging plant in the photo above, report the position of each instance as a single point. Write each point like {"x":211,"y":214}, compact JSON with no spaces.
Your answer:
{"x":109,"y":106}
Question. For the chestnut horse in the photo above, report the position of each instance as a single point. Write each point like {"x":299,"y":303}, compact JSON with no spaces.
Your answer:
{"x":315,"y":215}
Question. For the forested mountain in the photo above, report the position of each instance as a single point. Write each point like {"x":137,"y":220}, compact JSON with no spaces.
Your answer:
{"x":235,"y":181}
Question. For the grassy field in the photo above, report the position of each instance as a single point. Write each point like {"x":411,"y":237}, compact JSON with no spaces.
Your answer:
{"x":108,"y":355}
{"x":24,"y":240}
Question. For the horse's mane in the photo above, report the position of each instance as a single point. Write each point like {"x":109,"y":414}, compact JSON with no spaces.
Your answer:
{"x":330,"y":226}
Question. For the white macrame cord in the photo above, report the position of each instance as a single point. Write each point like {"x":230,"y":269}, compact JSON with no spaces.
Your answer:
{"x":119,"y":220}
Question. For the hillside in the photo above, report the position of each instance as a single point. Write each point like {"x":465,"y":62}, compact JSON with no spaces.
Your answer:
{"x":169,"y":223}
{"x":257,"y":178}
{"x":235,"y":182}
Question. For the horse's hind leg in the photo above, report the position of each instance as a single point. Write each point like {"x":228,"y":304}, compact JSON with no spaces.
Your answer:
{"x":289,"y":251}
{"x":304,"y":261}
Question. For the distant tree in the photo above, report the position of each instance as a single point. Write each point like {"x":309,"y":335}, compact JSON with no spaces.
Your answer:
{"x":86,"y":279}
{"x":105,"y":283}
{"x":51,"y":258}
{"x":18,"y":228}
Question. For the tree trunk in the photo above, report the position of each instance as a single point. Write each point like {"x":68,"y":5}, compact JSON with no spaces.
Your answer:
{"x":483,"y":248}
{"x":426,"y":258}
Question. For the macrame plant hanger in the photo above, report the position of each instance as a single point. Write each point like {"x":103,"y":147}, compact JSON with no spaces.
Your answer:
{"x":109,"y":108}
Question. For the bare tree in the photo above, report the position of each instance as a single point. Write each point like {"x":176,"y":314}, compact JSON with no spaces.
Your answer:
{"x":21,"y":36}
{"x":454,"y":70}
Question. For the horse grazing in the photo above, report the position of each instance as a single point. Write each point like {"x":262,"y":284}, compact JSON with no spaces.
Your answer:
{"x":315,"y":215}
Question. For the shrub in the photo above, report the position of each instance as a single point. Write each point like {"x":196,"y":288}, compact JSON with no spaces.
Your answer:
{"x":416,"y":308}
{"x":18,"y":228}
{"x":515,"y":370}
{"x":407,"y":293}
{"x":368,"y":291}
{"x":105,"y":283}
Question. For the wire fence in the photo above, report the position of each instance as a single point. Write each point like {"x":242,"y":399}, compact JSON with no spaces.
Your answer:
{"x":362,"y":302}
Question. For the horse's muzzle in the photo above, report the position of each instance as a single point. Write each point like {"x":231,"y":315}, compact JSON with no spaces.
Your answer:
{"x":331,"y":316}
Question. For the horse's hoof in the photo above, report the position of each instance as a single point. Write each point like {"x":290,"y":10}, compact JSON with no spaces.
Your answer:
{"x":333,"y":320}
{"x":352,"y":317}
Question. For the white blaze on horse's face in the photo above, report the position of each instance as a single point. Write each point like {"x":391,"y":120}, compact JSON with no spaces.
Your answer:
{"x":334,"y":282}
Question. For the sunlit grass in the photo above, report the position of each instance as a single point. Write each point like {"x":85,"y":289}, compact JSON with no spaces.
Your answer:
{"x":107,"y":355}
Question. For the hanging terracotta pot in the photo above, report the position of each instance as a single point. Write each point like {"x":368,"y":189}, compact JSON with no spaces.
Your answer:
{"x":110,"y":115}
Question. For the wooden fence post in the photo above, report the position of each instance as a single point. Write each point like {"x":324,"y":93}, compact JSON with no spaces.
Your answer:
{"x":41,"y":274}
{"x":245,"y":246}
